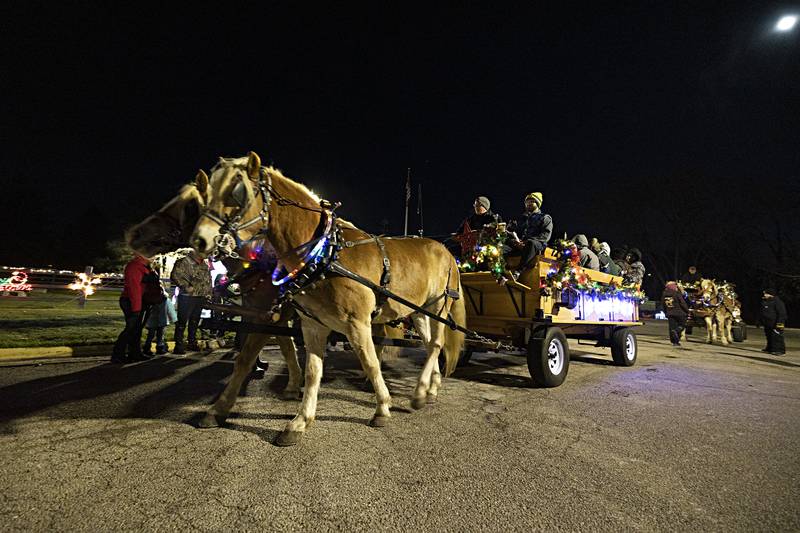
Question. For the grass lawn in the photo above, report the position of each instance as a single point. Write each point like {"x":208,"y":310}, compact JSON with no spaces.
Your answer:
{"x":53,"y":318}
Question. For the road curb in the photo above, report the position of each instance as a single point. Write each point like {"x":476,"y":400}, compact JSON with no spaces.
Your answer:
{"x":51,"y":352}
{"x":58,"y":352}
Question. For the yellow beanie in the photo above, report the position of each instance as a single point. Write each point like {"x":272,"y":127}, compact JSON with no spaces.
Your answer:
{"x":536,"y":197}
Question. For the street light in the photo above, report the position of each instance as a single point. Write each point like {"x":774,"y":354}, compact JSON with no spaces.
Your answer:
{"x":786,"y":23}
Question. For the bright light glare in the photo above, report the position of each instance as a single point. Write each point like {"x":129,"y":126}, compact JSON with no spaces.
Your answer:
{"x":786,"y":23}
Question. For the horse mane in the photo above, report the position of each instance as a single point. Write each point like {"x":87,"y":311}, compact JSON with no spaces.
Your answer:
{"x":294,"y":186}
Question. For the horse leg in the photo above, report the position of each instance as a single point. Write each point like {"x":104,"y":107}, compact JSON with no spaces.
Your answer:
{"x":315,"y":337}
{"x":710,"y":330}
{"x":360,"y":337}
{"x":725,"y":330}
{"x":289,"y":351}
{"x":430,"y":379}
{"x":241,"y":369}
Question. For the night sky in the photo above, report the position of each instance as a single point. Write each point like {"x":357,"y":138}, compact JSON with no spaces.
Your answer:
{"x":614,"y":113}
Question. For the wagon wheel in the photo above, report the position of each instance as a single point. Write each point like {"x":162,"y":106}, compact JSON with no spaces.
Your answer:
{"x":739,"y":332}
{"x":548,"y":357}
{"x":624,"y":347}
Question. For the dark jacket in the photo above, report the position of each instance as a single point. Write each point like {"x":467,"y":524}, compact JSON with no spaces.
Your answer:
{"x":588,"y":257}
{"x":534,"y":227}
{"x":691,"y":278}
{"x":607,"y":265}
{"x":674,"y":304}
{"x":135,"y":271}
{"x":476,"y":221}
{"x":773,"y":311}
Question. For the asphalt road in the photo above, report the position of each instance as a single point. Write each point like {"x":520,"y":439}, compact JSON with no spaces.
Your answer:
{"x":705,"y":438}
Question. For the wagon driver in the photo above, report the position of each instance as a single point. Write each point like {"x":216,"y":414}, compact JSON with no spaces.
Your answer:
{"x":533,"y":230}
{"x":464,"y":238}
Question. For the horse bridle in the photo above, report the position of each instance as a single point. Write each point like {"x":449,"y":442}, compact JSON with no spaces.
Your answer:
{"x":229,"y":226}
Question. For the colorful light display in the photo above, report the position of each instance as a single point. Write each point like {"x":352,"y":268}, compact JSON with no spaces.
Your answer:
{"x":18,"y":282}
{"x":85,"y":283}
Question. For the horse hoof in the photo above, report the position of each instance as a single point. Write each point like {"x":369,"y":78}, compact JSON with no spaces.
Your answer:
{"x":379,"y":421}
{"x":431,"y":399}
{"x":290,"y":395}
{"x":418,"y":403}
{"x":289,"y":438}
{"x":209,"y":421}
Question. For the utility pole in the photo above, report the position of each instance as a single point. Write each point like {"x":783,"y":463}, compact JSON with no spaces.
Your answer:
{"x":419,"y":210}
{"x":408,"y":199}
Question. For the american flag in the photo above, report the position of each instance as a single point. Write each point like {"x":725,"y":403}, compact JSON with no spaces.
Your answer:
{"x":408,"y":185}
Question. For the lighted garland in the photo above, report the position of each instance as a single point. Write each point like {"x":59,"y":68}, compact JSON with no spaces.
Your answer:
{"x":487,"y":254}
{"x":567,"y":273}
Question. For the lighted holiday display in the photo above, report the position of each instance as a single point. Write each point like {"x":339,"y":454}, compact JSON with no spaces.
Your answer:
{"x":85,"y":283}
{"x":567,"y":273}
{"x":487,"y":253}
{"x":17,"y":282}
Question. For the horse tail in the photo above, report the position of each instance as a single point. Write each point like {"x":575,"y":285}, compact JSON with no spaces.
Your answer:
{"x":454,"y":339}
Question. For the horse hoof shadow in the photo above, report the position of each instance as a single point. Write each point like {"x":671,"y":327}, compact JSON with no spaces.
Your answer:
{"x":207,"y":421}
{"x":288,"y":438}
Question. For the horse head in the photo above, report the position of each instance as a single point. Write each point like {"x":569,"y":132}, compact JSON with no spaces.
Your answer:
{"x":708,"y":290}
{"x":170,"y":227}
{"x":245,"y":201}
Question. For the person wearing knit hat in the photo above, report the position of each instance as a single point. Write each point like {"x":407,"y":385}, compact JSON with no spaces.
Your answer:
{"x":481,"y":216}
{"x":533,"y":230}
{"x":535,"y":197}
{"x":677,"y":311}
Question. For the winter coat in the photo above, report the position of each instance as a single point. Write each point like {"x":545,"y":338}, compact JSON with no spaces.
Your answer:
{"x":588,"y":257}
{"x":192,"y":277}
{"x":674,"y":304}
{"x":162,"y":315}
{"x":607,"y":265}
{"x":635,"y":274}
{"x":773,"y":312}
{"x":691,"y":279}
{"x":535,"y":226}
{"x":476,"y":221}
{"x":135,"y":270}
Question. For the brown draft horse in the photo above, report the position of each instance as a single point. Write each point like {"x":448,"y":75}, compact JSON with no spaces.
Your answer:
{"x":168,"y":229}
{"x":288,"y":215}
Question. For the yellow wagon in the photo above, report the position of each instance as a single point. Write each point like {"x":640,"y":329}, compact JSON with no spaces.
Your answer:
{"x":531,"y":316}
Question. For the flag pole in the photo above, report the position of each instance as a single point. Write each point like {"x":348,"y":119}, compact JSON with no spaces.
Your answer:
{"x":408,"y":198}
{"x":419,"y":210}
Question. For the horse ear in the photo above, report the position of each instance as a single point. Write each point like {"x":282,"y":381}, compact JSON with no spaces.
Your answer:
{"x":201,"y":180}
{"x":253,"y":165}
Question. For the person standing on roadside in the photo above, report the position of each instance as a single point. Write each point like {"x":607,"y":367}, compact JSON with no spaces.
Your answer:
{"x":773,"y":318}
{"x":193,"y":279}
{"x":676,"y":309}
{"x":128,"y":347}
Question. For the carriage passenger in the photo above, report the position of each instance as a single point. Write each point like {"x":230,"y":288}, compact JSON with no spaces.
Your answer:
{"x":588,"y":257}
{"x":607,"y":264}
{"x":481,"y":216}
{"x":692,"y":277}
{"x":533,"y":230}
{"x":634,"y":274}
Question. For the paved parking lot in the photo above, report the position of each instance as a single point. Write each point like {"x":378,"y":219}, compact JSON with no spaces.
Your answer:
{"x":705,"y":438}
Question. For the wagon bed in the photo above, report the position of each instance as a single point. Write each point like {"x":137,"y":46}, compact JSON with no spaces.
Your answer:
{"x":528,"y":316}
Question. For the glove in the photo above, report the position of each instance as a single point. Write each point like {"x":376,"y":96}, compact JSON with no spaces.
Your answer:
{"x":779,"y":327}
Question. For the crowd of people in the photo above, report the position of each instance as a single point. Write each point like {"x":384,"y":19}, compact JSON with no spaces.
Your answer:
{"x":145,"y":303}
{"x":529,"y":234}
